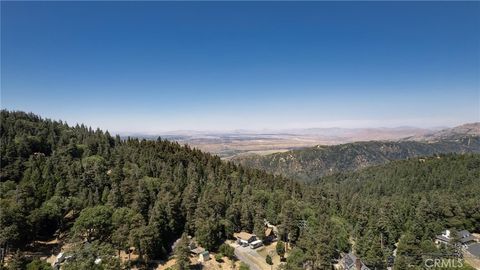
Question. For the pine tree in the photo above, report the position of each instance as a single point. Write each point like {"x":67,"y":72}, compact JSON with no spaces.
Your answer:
{"x":182,"y":253}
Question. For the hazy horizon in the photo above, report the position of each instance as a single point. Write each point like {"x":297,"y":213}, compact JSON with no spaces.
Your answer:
{"x":251,"y":130}
{"x":153,"y":67}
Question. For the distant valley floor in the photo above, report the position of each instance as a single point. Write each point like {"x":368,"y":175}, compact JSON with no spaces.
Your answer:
{"x":240,"y":143}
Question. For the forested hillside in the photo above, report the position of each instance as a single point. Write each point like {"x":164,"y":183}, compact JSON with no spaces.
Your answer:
{"x":406,"y":202}
{"x":310,"y":163}
{"x":104,"y":195}
{"x":157,"y":189}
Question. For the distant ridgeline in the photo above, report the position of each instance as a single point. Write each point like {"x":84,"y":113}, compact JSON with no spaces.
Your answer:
{"x":106,"y":194}
{"x":309,"y":164}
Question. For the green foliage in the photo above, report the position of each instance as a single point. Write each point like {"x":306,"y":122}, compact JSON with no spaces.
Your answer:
{"x":295,"y":259}
{"x":341,"y":231}
{"x":268,"y":260}
{"x":219,"y":257}
{"x":243,"y":266}
{"x":280,"y":248}
{"x":37,"y":264}
{"x":290,"y":215}
{"x":182,"y":253}
{"x":125,"y":221}
{"x":308,"y":164}
{"x":208,"y":234}
{"x":227,"y":251}
{"x":85,"y":256}
{"x":94,"y":223}
{"x":17,"y":262}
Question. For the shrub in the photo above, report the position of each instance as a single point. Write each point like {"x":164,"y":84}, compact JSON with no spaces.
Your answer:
{"x":227,"y":251}
{"x":243,"y":266}
{"x":219,"y":257}
{"x":38,"y":265}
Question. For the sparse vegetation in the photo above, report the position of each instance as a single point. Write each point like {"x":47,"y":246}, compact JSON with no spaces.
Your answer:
{"x":268,"y":260}
{"x":219,"y":257}
{"x":243,"y":266}
{"x":227,"y":251}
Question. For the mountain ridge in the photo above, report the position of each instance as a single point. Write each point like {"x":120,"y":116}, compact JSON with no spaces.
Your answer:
{"x":468,"y":129}
{"x":310,"y":163}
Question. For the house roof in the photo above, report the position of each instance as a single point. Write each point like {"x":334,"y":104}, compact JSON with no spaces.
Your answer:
{"x":467,"y":239}
{"x":349,"y":261}
{"x":243,"y":235}
{"x":474,"y":249}
{"x":191,"y":243}
{"x":268,"y":231}
{"x":463,"y":235}
{"x":175,"y":244}
{"x":197,"y":250}
{"x":442,"y":238}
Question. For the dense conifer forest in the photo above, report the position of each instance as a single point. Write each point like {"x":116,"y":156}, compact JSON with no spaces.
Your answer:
{"x":105,"y":194}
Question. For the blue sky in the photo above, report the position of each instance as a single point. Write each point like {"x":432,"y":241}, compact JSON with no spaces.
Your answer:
{"x":157,"y":66}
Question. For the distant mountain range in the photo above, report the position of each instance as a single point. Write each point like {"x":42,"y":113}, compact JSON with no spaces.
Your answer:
{"x":229,"y":144}
{"x":331,"y":133}
{"x":310,"y":163}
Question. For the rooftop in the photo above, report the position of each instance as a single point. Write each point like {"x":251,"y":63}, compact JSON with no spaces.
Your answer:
{"x":350,"y":259}
{"x":243,"y":235}
{"x":474,"y":249}
{"x":464,"y":236}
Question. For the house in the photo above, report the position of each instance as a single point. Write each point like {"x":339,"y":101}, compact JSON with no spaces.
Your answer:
{"x":352,"y":262}
{"x":271,"y":231}
{"x":271,"y":226}
{"x":191,"y":242}
{"x":192,"y":245}
{"x":474,"y":249}
{"x":61,"y":258}
{"x":204,"y":256}
{"x":244,"y":238}
{"x":464,"y":237}
{"x":269,"y":235}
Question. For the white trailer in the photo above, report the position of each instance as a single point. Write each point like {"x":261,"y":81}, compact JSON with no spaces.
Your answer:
{"x":255,"y":244}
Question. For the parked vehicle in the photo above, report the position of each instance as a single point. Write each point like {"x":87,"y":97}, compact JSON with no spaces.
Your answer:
{"x":256,"y":244}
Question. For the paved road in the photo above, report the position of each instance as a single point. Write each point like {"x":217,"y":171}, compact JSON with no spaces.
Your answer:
{"x":250,"y":257}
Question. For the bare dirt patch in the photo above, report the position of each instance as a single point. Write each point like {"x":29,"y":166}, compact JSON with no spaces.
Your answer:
{"x":212,"y":264}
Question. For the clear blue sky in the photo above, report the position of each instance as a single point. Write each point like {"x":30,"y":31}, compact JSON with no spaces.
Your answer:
{"x":156,"y":66}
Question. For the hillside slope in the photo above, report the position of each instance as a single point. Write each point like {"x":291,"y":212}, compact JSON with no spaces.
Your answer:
{"x":405,"y":203}
{"x":52,"y":174}
{"x":310,"y":163}
{"x":450,"y":134}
